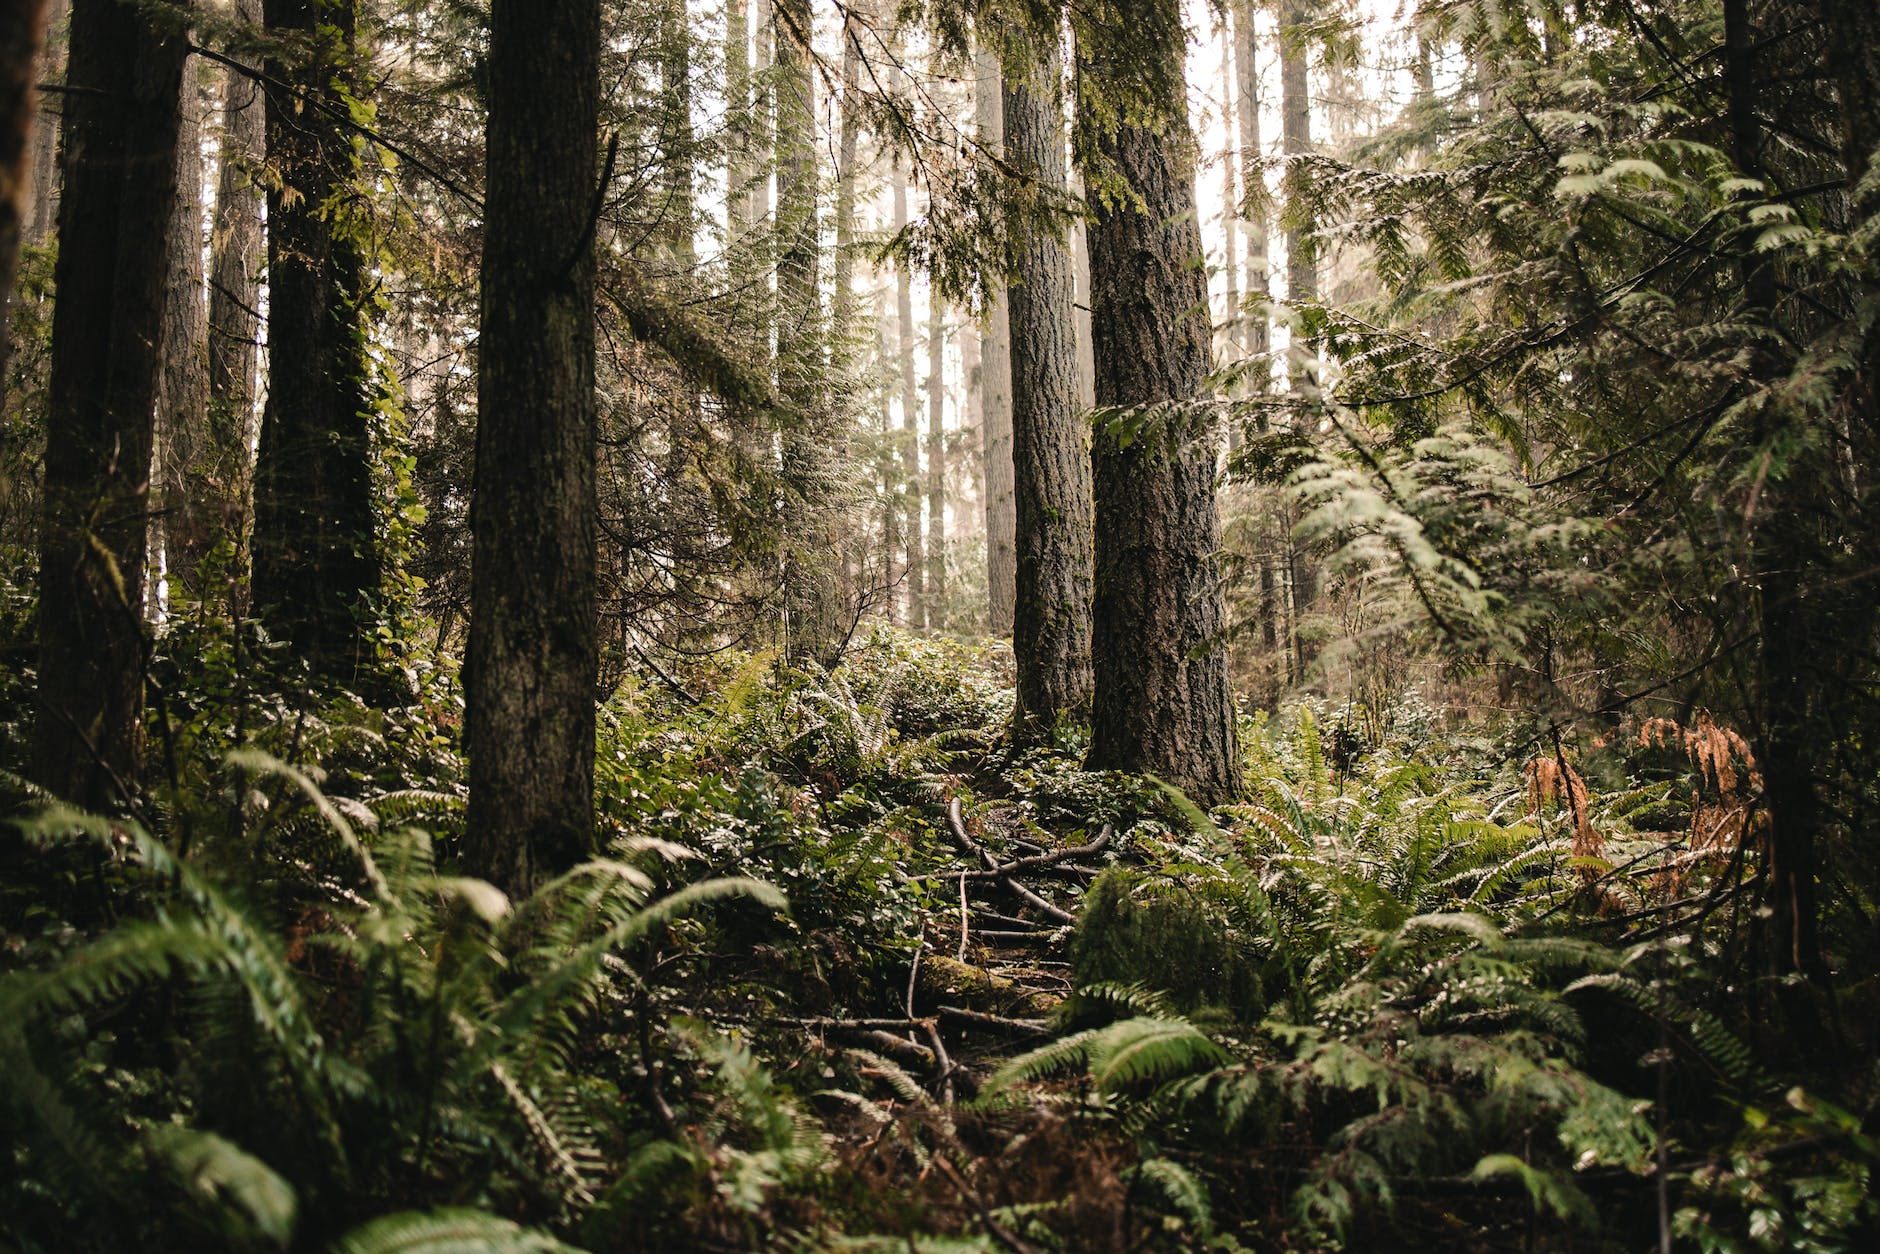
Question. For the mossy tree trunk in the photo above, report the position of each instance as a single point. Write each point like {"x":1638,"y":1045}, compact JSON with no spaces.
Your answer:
{"x":533,"y":653}
{"x":114,"y":224}
{"x":1050,"y":442}
{"x":315,"y":552}
{"x":1161,"y":700}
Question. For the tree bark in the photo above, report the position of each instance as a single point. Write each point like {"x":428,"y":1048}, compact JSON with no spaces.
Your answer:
{"x":738,"y":121}
{"x":1050,"y":442}
{"x":675,"y":67}
{"x":1256,"y":330}
{"x":1161,"y":702}
{"x":995,"y":387}
{"x":184,"y":517}
{"x":235,"y":292}
{"x":914,"y":563}
{"x":42,"y":211}
{"x":936,"y":462}
{"x":315,"y":554}
{"x":22,"y":26}
{"x":533,"y":657}
{"x":812,"y":586}
{"x":114,"y":224}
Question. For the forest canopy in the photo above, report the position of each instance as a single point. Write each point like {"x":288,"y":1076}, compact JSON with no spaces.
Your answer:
{"x":1120,"y":625}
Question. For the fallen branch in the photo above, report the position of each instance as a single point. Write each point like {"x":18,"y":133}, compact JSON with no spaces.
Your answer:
{"x":957,"y":826}
{"x":1030,"y":1027}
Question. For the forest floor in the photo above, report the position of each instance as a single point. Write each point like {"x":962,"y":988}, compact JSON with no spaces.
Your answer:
{"x":856,"y":973}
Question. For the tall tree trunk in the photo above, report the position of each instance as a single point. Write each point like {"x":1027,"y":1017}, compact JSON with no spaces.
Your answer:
{"x":675,"y":67}
{"x":1050,"y":443}
{"x":1233,"y":333}
{"x":315,"y":556}
{"x":1256,"y":330}
{"x":114,"y":224}
{"x":533,"y":655}
{"x":38,"y":217}
{"x":235,"y":291}
{"x":812,"y":590}
{"x":763,"y":108}
{"x":848,"y":141}
{"x":936,"y":461}
{"x":184,"y":515}
{"x":738,"y":120}
{"x":1080,"y":308}
{"x":1302,"y":285}
{"x":22,"y":26}
{"x":914,"y":564}
{"x":995,"y":389}
{"x":1161,"y":703}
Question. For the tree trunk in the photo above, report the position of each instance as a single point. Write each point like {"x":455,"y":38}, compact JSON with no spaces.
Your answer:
{"x":1080,"y":308}
{"x":848,"y":141}
{"x":1302,"y":287}
{"x":812,"y":587}
{"x":22,"y":25}
{"x":42,"y":213}
{"x":738,"y":120}
{"x":235,"y":293}
{"x":533,"y":658}
{"x":995,"y":388}
{"x":114,"y":224}
{"x":184,"y":517}
{"x":1256,"y":330}
{"x":1162,"y":703}
{"x":1050,"y":443}
{"x":315,"y":555}
{"x":936,"y":462}
{"x":675,"y":67}
{"x":914,"y":564}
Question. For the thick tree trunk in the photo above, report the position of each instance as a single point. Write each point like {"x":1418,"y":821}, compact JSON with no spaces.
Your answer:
{"x":22,"y":25}
{"x":914,"y":562}
{"x":1161,"y":703}
{"x":936,"y":587}
{"x":533,"y":655}
{"x":185,"y":514}
{"x":114,"y":223}
{"x":235,"y":293}
{"x":995,"y":387}
{"x":812,"y":587}
{"x":1050,"y":442}
{"x":315,"y":555}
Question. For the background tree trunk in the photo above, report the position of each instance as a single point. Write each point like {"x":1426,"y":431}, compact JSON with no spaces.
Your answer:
{"x":22,"y":26}
{"x":114,"y":224}
{"x":315,"y":552}
{"x":936,"y":588}
{"x":184,"y":510}
{"x":995,"y":386}
{"x":1256,"y":329}
{"x":42,"y":213}
{"x":812,"y":591}
{"x":1050,"y":443}
{"x":914,"y":563}
{"x":533,"y":660}
{"x":235,"y":293}
{"x":1161,"y":703}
